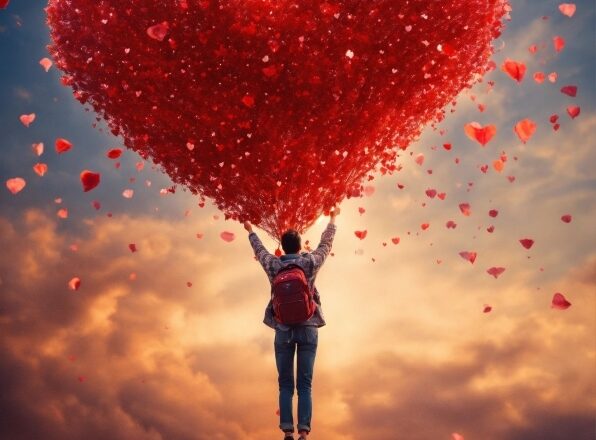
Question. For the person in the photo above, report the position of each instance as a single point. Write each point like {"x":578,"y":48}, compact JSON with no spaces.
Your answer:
{"x":302,"y":337}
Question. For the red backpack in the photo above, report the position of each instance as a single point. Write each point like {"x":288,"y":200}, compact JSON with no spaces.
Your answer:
{"x":293,"y":300}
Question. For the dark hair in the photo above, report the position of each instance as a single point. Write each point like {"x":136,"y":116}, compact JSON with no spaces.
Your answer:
{"x":290,"y":241}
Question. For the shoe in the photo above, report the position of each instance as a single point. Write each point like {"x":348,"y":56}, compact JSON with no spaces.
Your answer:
{"x":303,"y":435}
{"x":289,"y":437}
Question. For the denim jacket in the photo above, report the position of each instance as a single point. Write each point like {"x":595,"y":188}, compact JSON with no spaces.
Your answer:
{"x":309,"y":262}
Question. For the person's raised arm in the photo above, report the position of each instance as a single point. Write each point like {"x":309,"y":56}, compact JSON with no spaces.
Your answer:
{"x":322,"y":251}
{"x":260,"y":251}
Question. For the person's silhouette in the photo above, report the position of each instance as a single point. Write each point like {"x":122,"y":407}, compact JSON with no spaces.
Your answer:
{"x":300,"y":337}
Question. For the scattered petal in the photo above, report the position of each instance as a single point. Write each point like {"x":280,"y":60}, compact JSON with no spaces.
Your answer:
{"x":419,"y":159}
{"x":89,"y":179}
{"x":450,"y":224}
{"x":46,"y":63}
{"x":395,"y":240}
{"x":16,"y":184}
{"x":487,"y":308}
{"x":37,"y":148}
{"x":114,"y":153}
{"x":495,"y":271}
{"x":526,"y":242}
{"x":27,"y":119}
{"x":431,"y":193}
{"x":128,"y":193}
{"x":558,"y":43}
{"x":159,"y":31}
{"x":569,"y":90}
{"x":573,"y":111}
{"x":560,"y":302}
{"x":467,"y":255}
{"x":227,"y":236}
{"x":539,"y":77}
{"x":62,"y":213}
{"x":465,"y":209}
{"x":480,"y":134}
{"x":360,"y":234}
{"x":425,"y":226}
{"x":566,"y":218}
{"x":514,"y":69}
{"x":62,"y":145}
{"x":525,"y":129}
{"x":40,"y":168}
{"x":132,"y":247}
{"x":493,"y":213}
{"x":74,"y":283}
{"x":567,"y":9}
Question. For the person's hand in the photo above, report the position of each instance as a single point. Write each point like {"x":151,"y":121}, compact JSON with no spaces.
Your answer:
{"x":335,"y":212}
{"x":247,"y":226}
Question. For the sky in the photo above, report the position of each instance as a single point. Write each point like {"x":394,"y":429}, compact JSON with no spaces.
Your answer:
{"x":168,"y":342}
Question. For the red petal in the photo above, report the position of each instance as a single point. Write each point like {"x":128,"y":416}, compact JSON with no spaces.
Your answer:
{"x":62,"y":145}
{"x":514,"y":69}
{"x":159,"y":31}
{"x":40,"y":168}
{"x":573,"y":111}
{"x":496,"y":271}
{"x":450,"y":224}
{"x":132,"y":247}
{"x":361,"y":234}
{"x":465,"y":209}
{"x":480,"y":134}
{"x":487,"y":308}
{"x":558,"y":43}
{"x":493,"y":213}
{"x":4,"y":4}
{"x":431,"y":193}
{"x":525,"y":129}
{"x":227,"y":236}
{"x":395,"y":240}
{"x":425,"y":226}
{"x":90,"y":180}
{"x":539,"y":77}
{"x":560,"y":302}
{"x":526,"y":242}
{"x":27,"y":119}
{"x":470,"y":256}
{"x":114,"y":153}
{"x":566,"y":218}
{"x":569,"y":90}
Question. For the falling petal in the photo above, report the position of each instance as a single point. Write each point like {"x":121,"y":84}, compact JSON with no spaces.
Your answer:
{"x":89,"y":179}
{"x":16,"y":184}
{"x":560,"y":302}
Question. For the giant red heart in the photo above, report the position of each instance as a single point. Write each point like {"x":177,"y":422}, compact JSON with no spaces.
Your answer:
{"x":274,"y":109}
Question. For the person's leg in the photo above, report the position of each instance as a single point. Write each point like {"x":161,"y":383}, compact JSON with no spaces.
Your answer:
{"x":284,"y":359}
{"x":307,"y":350}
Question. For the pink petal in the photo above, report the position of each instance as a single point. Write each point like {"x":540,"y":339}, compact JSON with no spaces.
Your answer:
{"x":128,"y":193}
{"x":38,"y":148}
{"x":496,"y":271}
{"x":450,"y":224}
{"x":567,"y":9}
{"x":46,"y":63}
{"x":470,"y":256}
{"x":525,"y":129}
{"x":560,"y":302}
{"x":227,"y":236}
{"x":27,"y":119}
{"x":16,"y":184}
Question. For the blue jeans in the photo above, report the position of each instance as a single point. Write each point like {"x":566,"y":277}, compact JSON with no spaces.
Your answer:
{"x":305,"y":339}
